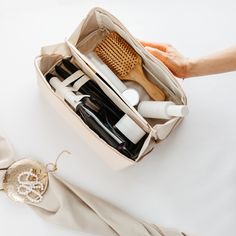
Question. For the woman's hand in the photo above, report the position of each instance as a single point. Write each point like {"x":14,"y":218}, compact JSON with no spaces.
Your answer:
{"x":177,"y":63}
{"x":183,"y":67}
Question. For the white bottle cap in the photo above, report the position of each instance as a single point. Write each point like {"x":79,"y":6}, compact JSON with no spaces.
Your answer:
{"x":177,"y":110}
{"x":130,"y":129}
{"x":132,"y":96}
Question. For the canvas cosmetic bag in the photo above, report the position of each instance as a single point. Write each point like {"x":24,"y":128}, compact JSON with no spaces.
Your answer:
{"x":90,"y":31}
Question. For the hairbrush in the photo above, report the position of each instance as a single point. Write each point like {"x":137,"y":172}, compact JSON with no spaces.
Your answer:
{"x":126,"y":63}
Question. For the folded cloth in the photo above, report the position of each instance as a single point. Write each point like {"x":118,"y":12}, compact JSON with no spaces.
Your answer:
{"x":7,"y":154}
{"x":75,"y":208}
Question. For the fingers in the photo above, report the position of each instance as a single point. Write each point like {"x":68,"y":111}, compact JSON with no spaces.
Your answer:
{"x":157,"y":53}
{"x":161,"y":46}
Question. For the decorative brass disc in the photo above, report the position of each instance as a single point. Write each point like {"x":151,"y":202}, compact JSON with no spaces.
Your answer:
{"x":26,"y":181}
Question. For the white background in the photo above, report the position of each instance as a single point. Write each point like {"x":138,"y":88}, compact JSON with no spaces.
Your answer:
{"x":189,"y":181}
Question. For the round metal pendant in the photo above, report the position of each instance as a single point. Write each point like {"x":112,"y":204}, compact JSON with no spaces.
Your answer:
{"x":26,"y":181}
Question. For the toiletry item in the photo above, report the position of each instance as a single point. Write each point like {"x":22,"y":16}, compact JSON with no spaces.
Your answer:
{"x":131,"y":96}
{"x":126,"y":63}
{"x":161,"y":110}
{"x":130,"y":129}
{"x":87,"y":86}
{"x":102,"y":125}
{"x":134,"y":141}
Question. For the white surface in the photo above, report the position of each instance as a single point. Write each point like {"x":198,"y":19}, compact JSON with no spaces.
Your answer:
{"x":189,"y":181}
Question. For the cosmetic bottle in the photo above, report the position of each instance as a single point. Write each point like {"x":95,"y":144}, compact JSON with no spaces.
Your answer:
{"x":132,"y":134}
{"x":161,"y":110}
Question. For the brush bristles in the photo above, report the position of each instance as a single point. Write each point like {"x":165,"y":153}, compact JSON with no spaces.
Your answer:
{"x":117,"y":54}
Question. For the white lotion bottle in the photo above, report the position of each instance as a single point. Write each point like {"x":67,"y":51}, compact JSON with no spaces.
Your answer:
{"x":161,"y":110}
{"x":130,"y":129}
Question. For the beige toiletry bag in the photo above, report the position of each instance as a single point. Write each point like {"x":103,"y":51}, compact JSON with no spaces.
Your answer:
{"x":92,"y":30}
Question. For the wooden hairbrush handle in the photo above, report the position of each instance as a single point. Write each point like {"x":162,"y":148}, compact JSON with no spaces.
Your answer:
{"x":138,"y":76}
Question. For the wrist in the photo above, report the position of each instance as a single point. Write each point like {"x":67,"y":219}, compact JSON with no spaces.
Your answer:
{"x":190,"y":67}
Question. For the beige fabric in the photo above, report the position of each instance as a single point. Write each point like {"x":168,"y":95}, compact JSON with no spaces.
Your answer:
{"x":68,"y":205}
{"x":6,"y":153}
{"x":2,"y":174}
{"x":75,"y":208}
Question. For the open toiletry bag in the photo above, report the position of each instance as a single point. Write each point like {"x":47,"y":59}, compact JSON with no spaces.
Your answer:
{"x":77,"y":48}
